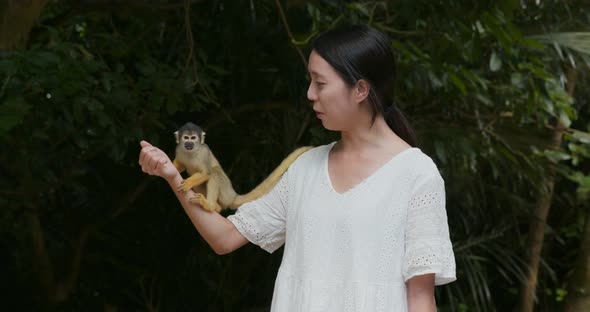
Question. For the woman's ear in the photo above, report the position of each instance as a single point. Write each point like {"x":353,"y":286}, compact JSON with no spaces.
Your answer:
{"x":362,"y":90}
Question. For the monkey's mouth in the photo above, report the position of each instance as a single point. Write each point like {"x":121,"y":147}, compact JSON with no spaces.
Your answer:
{"x":189,"y":146}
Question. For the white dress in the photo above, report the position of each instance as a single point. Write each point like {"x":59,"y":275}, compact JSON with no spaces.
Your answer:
{"x":352,"y":251}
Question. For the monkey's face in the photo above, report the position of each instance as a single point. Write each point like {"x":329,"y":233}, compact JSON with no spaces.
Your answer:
{"x":189,"y":141}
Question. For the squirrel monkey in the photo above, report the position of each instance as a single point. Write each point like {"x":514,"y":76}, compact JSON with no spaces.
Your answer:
{"x":194,"y":156}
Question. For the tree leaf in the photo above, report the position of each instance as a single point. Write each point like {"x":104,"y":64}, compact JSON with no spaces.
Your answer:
{"x":458,"y":83}
{"x":495,"y":62}
{"x":580,"y":136}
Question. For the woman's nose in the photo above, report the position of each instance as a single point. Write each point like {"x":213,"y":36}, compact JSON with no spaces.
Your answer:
{"x":310,"y":93}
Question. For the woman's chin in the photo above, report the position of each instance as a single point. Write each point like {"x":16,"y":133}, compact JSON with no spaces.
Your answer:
{"x":330,"y":127}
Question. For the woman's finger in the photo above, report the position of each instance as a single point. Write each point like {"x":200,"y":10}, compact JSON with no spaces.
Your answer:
{"x":160,"y":163}
{"x":151,"y":158}
{"x":146,"y":151}
{"x":151,"y":161}
{"x":144,"y":143}
{"x":144,"y":168}
{"x":143,"y":154}
{"x":141,"y":157}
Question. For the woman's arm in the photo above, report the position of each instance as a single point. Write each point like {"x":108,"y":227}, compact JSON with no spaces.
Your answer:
{"x":219,"y":232}
{"x":421,"y":293}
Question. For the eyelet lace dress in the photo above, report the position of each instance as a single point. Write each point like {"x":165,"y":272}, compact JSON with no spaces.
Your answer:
{"x":352,"y":251}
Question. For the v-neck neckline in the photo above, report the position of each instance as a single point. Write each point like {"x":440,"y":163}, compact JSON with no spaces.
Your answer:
{"x":367,"y":178}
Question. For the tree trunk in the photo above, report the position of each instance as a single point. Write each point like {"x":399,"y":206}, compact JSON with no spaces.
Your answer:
{"x":17,"y":18}
{"x":578,"y":298}
{"x":539,"y":220}
{"x":41,"y":262}
{"x":535,"y":242}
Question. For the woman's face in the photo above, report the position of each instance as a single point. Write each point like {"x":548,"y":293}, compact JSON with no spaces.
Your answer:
{"x":334,"y":102}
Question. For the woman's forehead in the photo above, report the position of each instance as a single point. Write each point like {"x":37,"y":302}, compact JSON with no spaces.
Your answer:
{"x":318,"y":67}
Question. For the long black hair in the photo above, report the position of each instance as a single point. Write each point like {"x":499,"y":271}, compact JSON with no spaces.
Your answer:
{"x":360,"y":52}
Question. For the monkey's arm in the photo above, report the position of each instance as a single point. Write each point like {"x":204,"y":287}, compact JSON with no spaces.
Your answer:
{"x":193,"y":181}
{"x":219,"y":232}
{"x":178,"y":166}
{"x":218,"y":187}
{"x":202,"y":164}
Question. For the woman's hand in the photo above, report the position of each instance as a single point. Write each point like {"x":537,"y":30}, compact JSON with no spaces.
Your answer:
{"x":154,"y":161}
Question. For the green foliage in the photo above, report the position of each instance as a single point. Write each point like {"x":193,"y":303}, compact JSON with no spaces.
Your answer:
{"x":559,"y":294}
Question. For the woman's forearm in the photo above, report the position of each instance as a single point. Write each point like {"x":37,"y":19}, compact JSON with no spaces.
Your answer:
{"x":218,"y":231}
{"x":421,"y":293}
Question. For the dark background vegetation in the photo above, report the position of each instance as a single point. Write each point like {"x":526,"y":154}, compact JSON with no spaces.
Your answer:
{"x":497,"y":91}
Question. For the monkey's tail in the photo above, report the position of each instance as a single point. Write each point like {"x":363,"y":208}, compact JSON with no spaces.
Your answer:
{"x":270,"y":181}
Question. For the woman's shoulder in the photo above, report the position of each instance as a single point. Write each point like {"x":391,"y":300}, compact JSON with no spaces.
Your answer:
{"x":315,"y":154}
{"x":312,"y":157}
{"x":421,"y":164}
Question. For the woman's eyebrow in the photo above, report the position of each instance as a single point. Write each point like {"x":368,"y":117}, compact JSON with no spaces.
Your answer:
{"x":314,"y":73}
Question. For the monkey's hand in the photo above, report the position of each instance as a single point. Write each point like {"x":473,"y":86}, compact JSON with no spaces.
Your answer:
{"x":154,"y":161}
{"x":193,"y":181}
{"x":202,"y":201}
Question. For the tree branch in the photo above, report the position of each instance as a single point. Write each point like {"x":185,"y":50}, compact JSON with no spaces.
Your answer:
{"x":242,"y":109}
{"x":65,"y":286}
{"x":284,"y":19}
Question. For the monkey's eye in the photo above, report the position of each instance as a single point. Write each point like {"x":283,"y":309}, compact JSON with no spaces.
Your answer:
{"x":193,"y":137}
{"x":185,"y":137}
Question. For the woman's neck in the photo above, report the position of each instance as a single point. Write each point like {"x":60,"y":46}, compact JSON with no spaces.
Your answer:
{"x":366,"y":137}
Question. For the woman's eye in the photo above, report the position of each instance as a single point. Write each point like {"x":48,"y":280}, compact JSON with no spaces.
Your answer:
{"x":320,"y":84}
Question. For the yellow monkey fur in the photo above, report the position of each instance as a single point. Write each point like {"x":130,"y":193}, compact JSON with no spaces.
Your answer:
{"x":214,"y":190}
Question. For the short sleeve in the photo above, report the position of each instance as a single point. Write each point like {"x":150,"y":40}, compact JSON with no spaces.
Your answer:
{"x":263,"y":221}
{"x":428,"y":247}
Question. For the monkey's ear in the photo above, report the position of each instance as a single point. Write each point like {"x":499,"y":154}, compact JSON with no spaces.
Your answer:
{"x":176,"y":137}
{"x":203,"y":138}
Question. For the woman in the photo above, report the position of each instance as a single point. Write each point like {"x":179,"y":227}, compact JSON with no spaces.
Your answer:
{"x":362,"y":219}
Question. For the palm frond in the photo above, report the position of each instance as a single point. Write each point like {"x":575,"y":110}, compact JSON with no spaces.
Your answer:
{"x":578,"y":41}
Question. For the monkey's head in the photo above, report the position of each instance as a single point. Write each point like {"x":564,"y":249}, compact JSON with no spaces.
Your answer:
{"x":190,"y":136}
